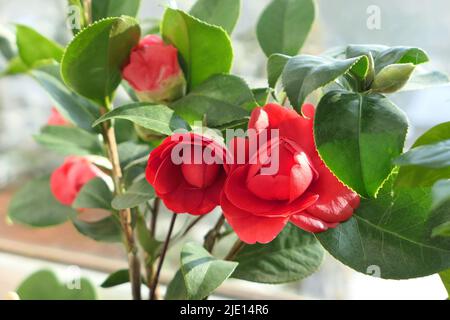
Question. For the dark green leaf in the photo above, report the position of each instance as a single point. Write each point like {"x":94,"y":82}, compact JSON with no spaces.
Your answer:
{"x":116,"y":278}
{"x":275,"y":66}
{"x":94,"y":195}
{"x":107,"y":229}
{"x":261,"y":95}
{"x":434,"y":156}
{"x":293,"y":255}
{"x":151,"y":246}
{"x":222,"y":13}
{"x":130,"y":151}
{"x":139,"y":192}
{"x":205,"y":49}
{"x":114,"y":8}
{"x":92,"y":62}
{"x":34,"y":205}
{"x":202,"y":272}
{"x":284,"y":26}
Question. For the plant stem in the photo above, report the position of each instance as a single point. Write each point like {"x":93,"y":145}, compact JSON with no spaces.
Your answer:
{"x":161,"y":259}
{"x":154,"y":217}
{"x":237,"y":246}
{"x":125,"y":215}
{"x":211,"y":236}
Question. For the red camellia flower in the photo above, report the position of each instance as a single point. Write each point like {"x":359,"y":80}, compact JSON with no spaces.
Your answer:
{"x":258,"y":203}
{"x":188,"y":172}
{"x":56,"y":119}
{"x":67,"y":180}
{"x":154,"y":72}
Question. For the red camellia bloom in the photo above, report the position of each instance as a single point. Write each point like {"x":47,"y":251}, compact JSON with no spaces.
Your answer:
{"x":258,"y":203}
{"x":154,"y":72}
{"x":67,"y":180}
{"x":56,"y":119}
{"x":188,"y":172}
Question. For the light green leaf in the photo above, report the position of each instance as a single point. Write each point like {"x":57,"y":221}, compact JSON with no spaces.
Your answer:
{"x":176,"y":290}
{"x":358,"y":136}
{"x":92,"y":62}
{"x":15,"y":66}
{"x":139,"y":192}
{"x":275,"y":66}
{"x":392,"y":78}
{"x":202,"y":272}
{"x":434,"y":156}
{"x":106,"y":230}
{"x":205,"y":49}
{"x":303,"y":74}
{"x":94,"y":195}
{"x":284,"y":26}
{"x":221,"y":99}
{"x":151,"y":246}
{"x":7,"y":48}
{"x":442,"y":230}
{"x":150,"y":116}
{"x":293,"y":255}
{"x":44,"y":285}
{"x":261,"y":95}
{"x":34,"y":205}
{"x":114,"y":8}
{"x":69,"y":141}
{"x":445,"y":277}
{"x":422,"y":80}
{"x":222,"y":13}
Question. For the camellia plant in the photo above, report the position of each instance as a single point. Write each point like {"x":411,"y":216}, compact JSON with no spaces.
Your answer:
{"x":292,"y":179}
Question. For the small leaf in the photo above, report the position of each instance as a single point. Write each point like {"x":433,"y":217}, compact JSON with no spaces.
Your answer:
{"x":222,"y":13}
{"x":442,"y":230}
{"x":92,"y":62}
{"x":358,"y":136}
{"x":15,"y":66}
{"x":139,"y":192}
{"x":116,"y":278}
{"x":205,"y":50}
{"x":107,"y":229}
{"x":34,"y":205}
{"x":150,"y":116}
{"x":434,"y":156}
{"x":7,"y":48}
{"x":445,"y":277}
{"x":202,"y":272}
{"x":44,"y":285}
{"x":114,"y":8}
{"x":303,"y":74}
{"x":261,"y":95}
{"x":69,"y":141}
{"x":284,"y":26}
{"x":293,"y":255}
{"x":275,"y":66}
{"x":176,"y":290}
{"x":392,"y":77}
{"x":34,"y":47}
{"x":150,"y":245}
{"x":94,"y":195}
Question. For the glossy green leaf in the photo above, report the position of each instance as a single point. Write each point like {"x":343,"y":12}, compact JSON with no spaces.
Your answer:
{"x":202,"y":272}
{"x":106,"y":230}
{"x":116,"y":278}
{"x":92,"y":62}
{"x":150,"y":116}
{"x":222,"y":13}
{"x":393,"y":234}
{"x":284,"y":26}
{"x":293,"y":255}
{"x":176,"y":290}
{"x":358,"y":136}
{"x":410,"y":176}
{"x":275,"y":66}
{"x":34,"y":205}
{"x":205,"y":50}
{"x":130,"y":151}
{"x":69,"y":141}
{"x":44,"y":285}
{"x":261,"y":95}
{"x":34,"y":47}
{"x":139,"y":192}
{"x":114,"y":8}
{"x":303,"y":74}
{"x":94,"y":195}
{"x":434,"y":156}
{"x":392,"y":78}
{"x":445,"y":277}
{"x":221,"y":99}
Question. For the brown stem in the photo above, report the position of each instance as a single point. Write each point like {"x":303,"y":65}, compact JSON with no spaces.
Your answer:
{"x":125,"y":215}
{"x":237,"y":246}
{"x":211,"y":236}
{"x":154,"y":286}
{"x":154,"y":217}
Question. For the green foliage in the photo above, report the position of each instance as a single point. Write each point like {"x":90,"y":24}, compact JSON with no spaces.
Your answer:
{"x":114,"y":8}
{"x":94,"y":195}
{"x":106,"y":230}
{"x":223,"y":13}
{"x":116,"y":278}
{"x":139,"y":192}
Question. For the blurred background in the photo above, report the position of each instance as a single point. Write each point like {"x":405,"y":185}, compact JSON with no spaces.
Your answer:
{"x":24,"y":108}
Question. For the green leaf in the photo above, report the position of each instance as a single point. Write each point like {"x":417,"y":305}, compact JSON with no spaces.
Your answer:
{"x":221,"y":99}
{"x":35,"y":48}
{"x":69,"y":141}
{"x":106,"y":230}
{"x":303,"y":74}
{"x":15,"y":66}
{"x":434,"y":156}
{"x":139,"y":192}
{"x":261,"y":95}
{"x":72,"y":107}
{"x":205,"y":49}
{"x":284,"y":26}
{"x":392,"y":78}
{"x":445,"y":277}
{"x":222,"y":13}
{"x":94,"y":195}
{"x":92,"y":62}
{"x":442,"y":230}
{"x":293,"y":255}
{"x":202,"y":272}
{"x":34,"y":205}
{"x":423,"y":80}
{"x":275,"y":66}
{"x":441,"y":192}
{"x":114,"y":8}
{"x":151,"y":246}
{"x":392,"y":233}
{"x":130,"y":151}
{"x":116,"y":278}
{"x":176,"y":290}
{"x":44,"y":285}
{"x":7,"y":48}
{"x":410,"y":176}
{"x":150,"y":116}
{"x":358,"y":136}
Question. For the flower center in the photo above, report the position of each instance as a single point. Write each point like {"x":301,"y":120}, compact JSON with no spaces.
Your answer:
{"x":200,"y":175}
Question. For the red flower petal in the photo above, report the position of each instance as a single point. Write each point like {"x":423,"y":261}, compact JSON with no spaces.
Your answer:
{"x":311,"y":224}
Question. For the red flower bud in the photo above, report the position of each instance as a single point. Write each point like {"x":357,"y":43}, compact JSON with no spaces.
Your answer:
{"x":56,"y":119}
